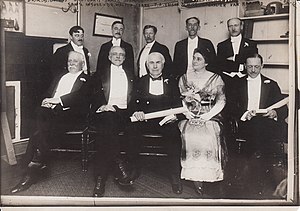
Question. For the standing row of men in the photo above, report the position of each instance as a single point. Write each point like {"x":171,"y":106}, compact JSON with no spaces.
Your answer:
{"x":113,"y":98}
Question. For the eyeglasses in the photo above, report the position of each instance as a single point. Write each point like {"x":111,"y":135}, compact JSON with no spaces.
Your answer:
{"x":250,"y":67}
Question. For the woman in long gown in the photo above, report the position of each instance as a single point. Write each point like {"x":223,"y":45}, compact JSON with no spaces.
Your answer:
{"x":203,"y":147}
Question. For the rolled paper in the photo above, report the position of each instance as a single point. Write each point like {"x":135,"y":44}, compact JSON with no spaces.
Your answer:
{"x":162,"y":113}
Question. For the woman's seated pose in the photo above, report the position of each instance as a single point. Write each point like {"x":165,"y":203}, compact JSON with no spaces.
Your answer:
{"x":203,"y":147}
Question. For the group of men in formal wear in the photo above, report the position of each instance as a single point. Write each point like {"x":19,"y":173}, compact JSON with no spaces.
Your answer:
{"x":117,"y":90}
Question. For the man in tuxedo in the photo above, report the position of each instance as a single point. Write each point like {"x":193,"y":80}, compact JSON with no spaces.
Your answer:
{"x":59,"y":62}
{"x":259,"y":92}
{"x":117,"y":30}
{"x":183,"y":54}
{"x":232,"y":52}
{"x":260,"y":128}
{"x":152,"y":45}
{"x":155,"y":92}
{"x":113,"y":88}
{"x":65,"y":106}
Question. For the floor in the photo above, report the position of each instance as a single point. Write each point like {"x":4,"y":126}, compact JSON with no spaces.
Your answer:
{"x":65,"y":178}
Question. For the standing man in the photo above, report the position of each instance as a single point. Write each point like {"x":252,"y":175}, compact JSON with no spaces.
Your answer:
{"x":60,"y":58}
{"x":232,"y":52}
{"x":113,"y":88}
{"x":66,"y":104}
{"x":152,"y":45}
{"x":117,"y":30}
{"x":183,"y":54}
{"x":155,"y":92}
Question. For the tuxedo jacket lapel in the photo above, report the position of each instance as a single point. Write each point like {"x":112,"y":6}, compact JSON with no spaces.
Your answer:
{"x":264,"y":93}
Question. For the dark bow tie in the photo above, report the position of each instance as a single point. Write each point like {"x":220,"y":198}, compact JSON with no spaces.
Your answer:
{"x":156,"y":79}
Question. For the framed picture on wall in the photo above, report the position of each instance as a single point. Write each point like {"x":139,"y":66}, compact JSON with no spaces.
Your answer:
{"x":12,"y":15}
{"x":102,"y":24}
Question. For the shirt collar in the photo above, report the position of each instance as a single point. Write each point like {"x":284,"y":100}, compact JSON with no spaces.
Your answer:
{"x":150,"y":44}
{"x":236,"y":39}
{"x":193,"y":40}
{"x":115,"y":67}
{"x":258,"y":78}
{"x":76,"y":46}
{"x":116,"y":42}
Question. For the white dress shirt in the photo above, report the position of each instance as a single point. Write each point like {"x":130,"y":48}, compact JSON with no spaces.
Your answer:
{"x":236,"y":42}
{"x":79,"y":49}
{"x":156,"y":87}
{"x":116,"y":42}
{"x":254,"y":90}
{"x":118,"y":87}
{"x":65,"y":85}
{"x":143,"y":59}
{"x":192,"y":44}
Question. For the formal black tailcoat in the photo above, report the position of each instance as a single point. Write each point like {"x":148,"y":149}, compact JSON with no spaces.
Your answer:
{"x":224,"y":50}
{"x":59,"y":63}
{"x":103,"y":60}
{"x":157,"y":47}
{"x":180,"y":60}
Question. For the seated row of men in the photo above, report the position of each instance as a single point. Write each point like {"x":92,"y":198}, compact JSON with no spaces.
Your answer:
{"x":115,"y":96}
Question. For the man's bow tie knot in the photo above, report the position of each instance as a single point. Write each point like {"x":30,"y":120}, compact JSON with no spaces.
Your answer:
{"x":156,"y":79}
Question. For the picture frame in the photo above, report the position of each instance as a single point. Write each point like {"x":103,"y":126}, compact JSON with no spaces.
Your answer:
{"x":12,"y":15}
{"x":102,"y":24}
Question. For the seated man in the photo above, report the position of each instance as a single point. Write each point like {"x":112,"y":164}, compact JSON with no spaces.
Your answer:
{"x":259,"y":127}
{"x":113,"y":86}
{"x":155,"y":93}
{"x":65,"y":105}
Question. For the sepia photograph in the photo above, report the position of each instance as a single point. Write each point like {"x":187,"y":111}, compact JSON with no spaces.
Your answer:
{"x":151,"y":103}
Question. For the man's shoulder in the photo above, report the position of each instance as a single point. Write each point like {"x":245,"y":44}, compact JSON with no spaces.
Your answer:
{"x":65,"y":48}
{"x":204,"y":40}
{"x":181,"y":42}
{"x":224,"y":42}
{"x":126,"y":44}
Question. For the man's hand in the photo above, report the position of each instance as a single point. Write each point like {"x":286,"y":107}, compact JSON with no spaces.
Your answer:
{"x":106,"y":108}
{"x":272,"y":114}
{"x":189,"y":115}
{"x":231,"y":58}
{"x":139,"y":115}
{"x":250,"y":114}
{"x":49,"y":102}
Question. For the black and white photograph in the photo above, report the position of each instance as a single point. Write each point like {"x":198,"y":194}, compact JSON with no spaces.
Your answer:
{"x":150,"y":103}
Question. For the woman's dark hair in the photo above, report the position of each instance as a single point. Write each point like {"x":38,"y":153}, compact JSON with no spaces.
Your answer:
{"x":205,"y":52}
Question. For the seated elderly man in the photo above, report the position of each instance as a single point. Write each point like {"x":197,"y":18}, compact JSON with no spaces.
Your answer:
{"x":259,"y":125}
{"x":65,"y":105}
{"x":153,"y":92}
{"x":113,"y":86}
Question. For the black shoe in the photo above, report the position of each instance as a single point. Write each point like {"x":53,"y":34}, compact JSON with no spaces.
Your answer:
{"x":198,"y":187}
{"x":176,"y":185}
{"x":32,"y":175}
{"x":122,"y":174}
{"x":24,"y":184}
{"x":99,"y":187}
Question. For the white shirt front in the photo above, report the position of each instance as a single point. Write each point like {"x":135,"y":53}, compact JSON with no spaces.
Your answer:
{"x":79,"y":49}
{"x":116,"y":42}
{"x":143,"y":59}
{"x":192,"y":44}
{"x":65,"y":84}
{"x":118,"y":87}
{"x":236,"y":42}
{"x":254,"y":90}
{"x":156,"y":87}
